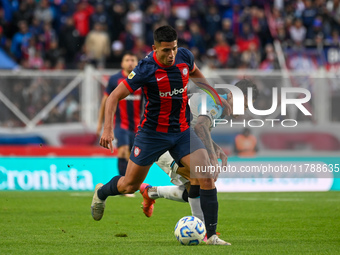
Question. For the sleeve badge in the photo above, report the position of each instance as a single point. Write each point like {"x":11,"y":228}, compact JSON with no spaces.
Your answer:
{"x":131,"y":75}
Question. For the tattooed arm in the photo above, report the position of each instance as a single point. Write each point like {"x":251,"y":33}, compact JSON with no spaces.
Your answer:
{"x":220,"y":154}
{"x":202,"y":129}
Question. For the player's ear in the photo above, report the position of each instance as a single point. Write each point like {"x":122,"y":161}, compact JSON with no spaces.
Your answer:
{"x":154,"y":48}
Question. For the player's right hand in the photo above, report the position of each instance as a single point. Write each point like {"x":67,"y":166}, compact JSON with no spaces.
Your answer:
{"x":213,"y":159}
{"x":106,"y":140}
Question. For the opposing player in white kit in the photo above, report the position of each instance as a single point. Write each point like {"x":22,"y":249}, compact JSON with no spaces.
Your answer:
{"x":202,"y":123}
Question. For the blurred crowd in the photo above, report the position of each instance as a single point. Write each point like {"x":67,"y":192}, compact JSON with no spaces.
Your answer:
{"x":67,"y":34}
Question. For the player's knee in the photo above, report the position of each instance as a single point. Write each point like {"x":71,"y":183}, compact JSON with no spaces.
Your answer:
{"x":123,"y":151}
{"x":207,"y":183}
{"x":194,"y":181}
{"x":131,"y":188}
{"x":200,"y":157}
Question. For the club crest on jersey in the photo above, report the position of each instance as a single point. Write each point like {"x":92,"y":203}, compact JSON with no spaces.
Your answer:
{"x":131,"y":75}
{"x":136,"y":151}
{"x":185,"y":71}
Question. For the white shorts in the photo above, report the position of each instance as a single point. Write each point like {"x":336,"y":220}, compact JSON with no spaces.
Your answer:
{"x":164,"y":163}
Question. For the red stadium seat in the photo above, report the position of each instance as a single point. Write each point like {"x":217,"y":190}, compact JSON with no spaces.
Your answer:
{"x":79,"y":139}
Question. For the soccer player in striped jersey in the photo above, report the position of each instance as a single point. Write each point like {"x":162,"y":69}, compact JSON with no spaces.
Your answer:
{"x":165,"y":126}
{"x":128,"y":113}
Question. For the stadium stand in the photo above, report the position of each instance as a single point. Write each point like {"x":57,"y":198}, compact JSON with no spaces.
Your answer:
{"x":49,"y":35}
{"x":54,"y":35}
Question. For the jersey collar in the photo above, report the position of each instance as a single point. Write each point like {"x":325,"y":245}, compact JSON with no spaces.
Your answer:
{"x":125,"y":76}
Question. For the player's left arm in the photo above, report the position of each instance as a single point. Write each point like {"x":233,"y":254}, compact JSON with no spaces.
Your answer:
{"x":196,"y":75}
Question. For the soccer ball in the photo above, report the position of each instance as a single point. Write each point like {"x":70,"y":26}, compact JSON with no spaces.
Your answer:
{"x":190,"y":230}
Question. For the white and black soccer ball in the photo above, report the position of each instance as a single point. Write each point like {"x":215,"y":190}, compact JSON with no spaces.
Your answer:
{"x":190,"y":230}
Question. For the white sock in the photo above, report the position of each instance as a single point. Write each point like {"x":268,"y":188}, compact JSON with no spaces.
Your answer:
{"x":152,"y":192}
{"x":169,"y":192}
{"x":195,"y":204}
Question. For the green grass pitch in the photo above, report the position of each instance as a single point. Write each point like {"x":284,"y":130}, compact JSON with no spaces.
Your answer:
{"x":255,"y":223}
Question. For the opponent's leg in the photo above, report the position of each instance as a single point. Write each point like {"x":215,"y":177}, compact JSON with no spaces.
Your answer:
{"x":195,"y":202}
{"x":123,"y":155}
{"x":208,"y":195}
{"x":123,"y":152}
{"x":149,"y":193}
{"x":175,"y":193}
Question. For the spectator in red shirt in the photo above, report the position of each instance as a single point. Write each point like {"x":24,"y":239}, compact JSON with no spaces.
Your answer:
{"x":82,"y":18}
{"x":221,"y":48}
{"x":247,"y":38}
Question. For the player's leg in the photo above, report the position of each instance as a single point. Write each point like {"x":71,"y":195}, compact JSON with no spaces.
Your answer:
{"x":208,"y":195}
{"x":118,"y":185}
{"x":195,"y":200}
{"x":123,"y":154}
{"x":123,"y":151}
{"x":150,"y":194}
{"x":189,"y":146}
{"x":205,"y":189}
{"x":124,"y":144}
{"x":175,"y":193}
{"x":192,"y":151}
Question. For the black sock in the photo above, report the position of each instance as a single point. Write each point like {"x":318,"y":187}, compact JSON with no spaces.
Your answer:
{"x":194,"y":191}
{"x":209,"y":207}
{"x":122,"y":164}
{"x":185,"y":195}
{"x":109,"y":189}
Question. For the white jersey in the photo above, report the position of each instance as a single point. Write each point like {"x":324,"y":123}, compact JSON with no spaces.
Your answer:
{"x":213,"y":111}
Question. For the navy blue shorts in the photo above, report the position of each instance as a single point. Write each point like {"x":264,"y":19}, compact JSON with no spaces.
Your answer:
{"x":149,"y":145}
{"x":124,"y":137}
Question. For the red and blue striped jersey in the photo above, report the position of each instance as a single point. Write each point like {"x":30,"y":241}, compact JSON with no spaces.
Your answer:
{"x":165,"y":89}
{"x":128,"y":114}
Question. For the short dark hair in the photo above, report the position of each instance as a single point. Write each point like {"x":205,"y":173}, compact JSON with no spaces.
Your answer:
{"x":129,"y":53}
{"x":165,"y":34}
{"x":244,"y":84}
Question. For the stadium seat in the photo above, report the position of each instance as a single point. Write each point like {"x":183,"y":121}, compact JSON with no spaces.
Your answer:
{"x":78,"y":139}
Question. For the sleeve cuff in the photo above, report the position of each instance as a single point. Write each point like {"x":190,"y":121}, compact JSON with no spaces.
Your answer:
{"x":193,"y":69}
{"x":128,"y":86}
